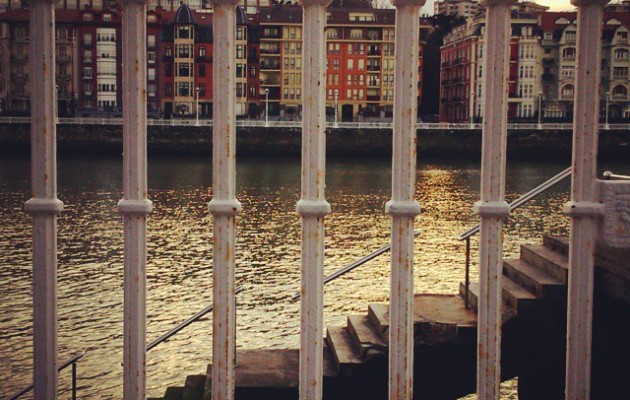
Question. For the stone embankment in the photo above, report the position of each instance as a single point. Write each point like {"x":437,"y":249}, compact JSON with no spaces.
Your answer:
{"x":273,"y":141}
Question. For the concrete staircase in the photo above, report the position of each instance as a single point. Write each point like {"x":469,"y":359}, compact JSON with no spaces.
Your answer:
{"x":355,"y":355}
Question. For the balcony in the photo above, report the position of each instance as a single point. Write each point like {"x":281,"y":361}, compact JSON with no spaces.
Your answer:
{"x":374,"y":98}
{"x":270,"y":51}
{"x":374,"y":53}
{"x":373,"y":68}
{"x":269,"y":66}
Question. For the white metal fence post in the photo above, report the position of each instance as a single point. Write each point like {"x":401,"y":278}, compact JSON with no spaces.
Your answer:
{"x":44,"y":205}
{"x":403,"y":207}
{"x":584,"y":207}
{"x":312,"y":206}
{"x":492,"y":208}
{"x":224,"y":205}
{"x":135,"y":205}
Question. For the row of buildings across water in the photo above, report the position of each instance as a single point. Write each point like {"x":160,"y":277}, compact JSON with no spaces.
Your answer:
{"x":360,"y":61}
{"x":542,"y":67}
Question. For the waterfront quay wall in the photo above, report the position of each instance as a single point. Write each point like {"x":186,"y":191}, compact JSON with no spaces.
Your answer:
{"x":343,"y":142}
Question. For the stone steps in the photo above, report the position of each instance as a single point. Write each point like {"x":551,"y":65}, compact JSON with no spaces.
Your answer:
{"x":362,"y":345}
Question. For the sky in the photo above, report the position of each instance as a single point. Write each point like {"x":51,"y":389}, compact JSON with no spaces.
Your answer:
{"x":556,"y":5}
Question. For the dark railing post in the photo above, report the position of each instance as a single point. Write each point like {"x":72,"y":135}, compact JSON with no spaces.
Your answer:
{"x":467,"y":278}
{"x":74,"y":380}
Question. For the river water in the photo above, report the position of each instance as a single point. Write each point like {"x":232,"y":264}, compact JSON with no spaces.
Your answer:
{"x":179,"y":272}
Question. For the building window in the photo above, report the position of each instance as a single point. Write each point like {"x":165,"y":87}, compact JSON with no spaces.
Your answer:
{"x":168,"y":89}
{"x":151,"y":41}
{"x":151,"y":18}
{"x":183,"y":89}
{"x":168,"y":52}
{"x":567,"y":91}
{"x":184,"y":32}
{"x":202,"y":90}
{"x":569,"y":52}
{"x":88,"y":17}
{"x":202,"y":70}
{"x":87,"y":39}
{"x":151,"y":57}
{"x":350,"y":63}
{"x":239,"y":51}
{"x":183,"y":69}
{"x":107,"y":17}
{"x":87,"y":72}
{"x":202,"y":52}
{"x":621,"y":54}
{"x":620,"y":91}
{"x":87,"y":56}
{"x":252,"y":71}
{"x":87,"y":89}
{"x":151,"y":74}
{"x":168,"y":70}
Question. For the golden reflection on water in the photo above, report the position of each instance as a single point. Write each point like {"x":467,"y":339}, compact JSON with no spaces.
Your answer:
{"x":268,"y":255}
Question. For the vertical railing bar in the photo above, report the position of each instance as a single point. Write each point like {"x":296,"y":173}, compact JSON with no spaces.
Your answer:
{"x":74,"y":380}
{"x":312,"y":206}
{"x":584,"y":207}
{"x":135,"y":205}
{"x":491,"y":207}
{"x":467,"y":277}
{"x":403,"y":208}
{"x":44,"y":205}
{"x":224,"y":206}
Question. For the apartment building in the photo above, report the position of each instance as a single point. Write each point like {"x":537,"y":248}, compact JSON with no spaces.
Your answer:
{"x":463,"y":77}
{"x":458,"y":8}
{"x":359,"y":56}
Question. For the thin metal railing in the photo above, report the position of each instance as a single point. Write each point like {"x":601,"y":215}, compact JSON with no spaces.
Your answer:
{"x":172,"y":332}
{"x":524,"y":199}
{"x":71,"y":362}
{"x":184,"y":324}
{"x":352,"y":266}
{"x":608,"y":175}
{"x":298,"y":123}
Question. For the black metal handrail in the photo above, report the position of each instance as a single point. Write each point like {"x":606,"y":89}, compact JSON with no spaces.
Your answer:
{"x":184,"y":324}
{"x":73,"y":362}
{"x":352,"y":266}
{"x":172,"y":332}
{"x":521,"y":201}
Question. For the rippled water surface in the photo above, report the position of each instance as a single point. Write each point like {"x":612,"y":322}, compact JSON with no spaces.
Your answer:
{"x":268,"y":255}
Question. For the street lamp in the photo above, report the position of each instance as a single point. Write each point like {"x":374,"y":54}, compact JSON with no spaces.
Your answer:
{"x":266,"y":107}
{"x":540,"y":111}
{"x":606,"y":125}
{"x":197,"y":90}
{"x":336,"y":107}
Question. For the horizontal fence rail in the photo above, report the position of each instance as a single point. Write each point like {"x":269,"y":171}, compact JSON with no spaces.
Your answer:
{"x":71,"y":362}
{"x":298,"y":124}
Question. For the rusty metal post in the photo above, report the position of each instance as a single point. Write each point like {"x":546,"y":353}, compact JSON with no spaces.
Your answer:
{"x":492,"y":208}
{"x":403,"y":207}
{"x":313,"y":206}
{"x":584,"y":207}
{"x":44,"y":205}
{"x":224,"y":205}
{"x":134,"y":206}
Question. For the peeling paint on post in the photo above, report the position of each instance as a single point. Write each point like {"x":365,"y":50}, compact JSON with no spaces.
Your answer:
{"x":44,"y":205}
{"x":492,"y":208}
{"x":224,"y":205}
{"x":313,"y":206}
{"x":584,"y":207}
{"x":403,"y":207}
{"x":134,"y":206}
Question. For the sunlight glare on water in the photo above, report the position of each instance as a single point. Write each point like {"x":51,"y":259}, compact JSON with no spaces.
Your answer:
{"x":268,"y":255}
